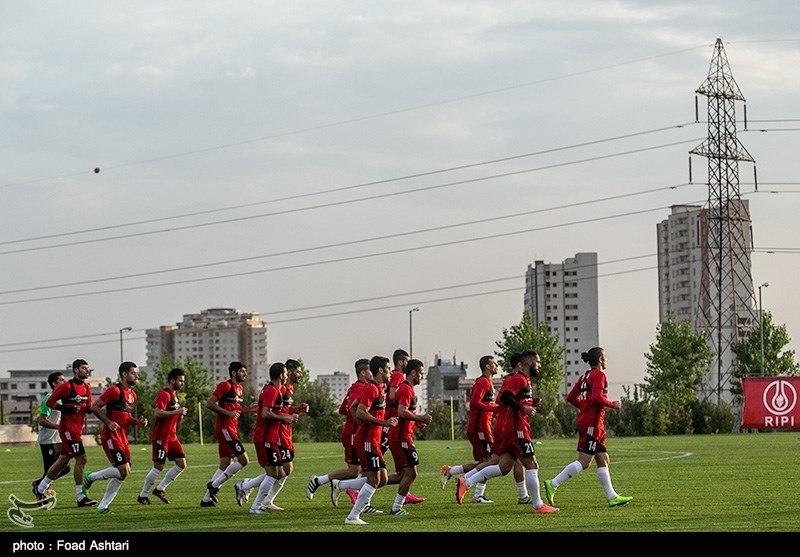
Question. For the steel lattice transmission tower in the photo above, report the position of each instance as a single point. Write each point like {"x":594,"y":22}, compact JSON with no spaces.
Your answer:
{"x":726,"y":305}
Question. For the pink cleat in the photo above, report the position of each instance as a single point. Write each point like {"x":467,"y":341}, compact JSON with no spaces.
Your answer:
{"x":413,"y":499}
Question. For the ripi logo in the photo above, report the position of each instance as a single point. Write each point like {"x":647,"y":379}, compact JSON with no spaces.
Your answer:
{"x":780,"y":399}
{"x":80,"y":399}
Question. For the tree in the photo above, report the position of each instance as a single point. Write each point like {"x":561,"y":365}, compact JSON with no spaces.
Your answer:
{"x":676,"y":365}
{"x":322,"y":422}
{"x":439,"y":427}
{"x":748,"y":353}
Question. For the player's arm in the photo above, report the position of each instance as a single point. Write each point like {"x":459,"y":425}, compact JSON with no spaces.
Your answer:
{"x":406,"y":414}
{"x":98,"y":408}
{"x":44,"y":414}
{"x":54,"y":402}
{"x":599,"y":396}
{"x":507,"y":398}
{"x":213,"y":404}
{"x":476,"y":400}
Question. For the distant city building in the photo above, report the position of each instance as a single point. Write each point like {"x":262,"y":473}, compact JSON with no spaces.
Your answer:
{"x":215,"y":337}
{"x":338,"y":382}
{"x":22,"y":392}
{"x":564,"y":296}
{"x":447,"y":381}
{"x":685,"y":281}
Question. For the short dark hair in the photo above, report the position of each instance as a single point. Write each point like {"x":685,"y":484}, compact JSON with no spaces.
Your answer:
{"x":126,"y":366}
{"x":362,"y":364}
{"x":233,"y":367}
{"x":175,"y":373}
{"x":514,"y":359}
{"x":78,"y":363}
{"x":292,"y":364}
{"x":414,"y":365}
{"x":276,"y":370}
{"x":399,"y":354}
{"x":592,"y":357}
{"x":377,"y":362}
{"x":53,"y":377}
{"x":484,"y":361}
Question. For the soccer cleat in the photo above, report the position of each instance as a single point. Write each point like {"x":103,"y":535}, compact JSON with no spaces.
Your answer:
{"x":143,"y":500}
{"x":86,"y":502}
{"x":208,"y":503}
{"x":241,"y":494}
{"x":355,"y":521}
{"x":257,"y":510}
{"x":160,"y":494}
{"x":272,"y":507}
{"x":87,"y":483}
{"x":549,"y":492}
{"x":313,"y":485}
{"x":335,"y":492}
{"x":39,"y":496}
{"x":525,"y":501}
{"x":445,"y":474}
{"x":399,"y":512}
{"x":213,"y":491}
{"x":545,"y":509}
{"x":369,"y":509}
{"x":481,"y":499}
{"x":103,"y":511}
{"x":352,"y":494}
{"x":413,"y":499}
{"x":461,"y":489}
{"x":619,"y":500}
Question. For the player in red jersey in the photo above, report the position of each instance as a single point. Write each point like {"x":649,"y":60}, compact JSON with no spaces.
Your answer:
{"x":73,"y":399}
{"x":589,"y":396}
{"x":370,"y":415}
{"x":401,"y":438}
{"x":168,"y":413}
{"x":114,"y":408}
{"x":347,"y":408}
{"x":226,"y":401}
{"x":516,"y":406}
{"x":267,"y":434}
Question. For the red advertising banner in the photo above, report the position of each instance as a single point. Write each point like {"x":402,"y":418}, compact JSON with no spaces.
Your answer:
{"x":771,"y":402}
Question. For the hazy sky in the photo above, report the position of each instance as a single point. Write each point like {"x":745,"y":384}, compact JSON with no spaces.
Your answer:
{"x":332,"y":165}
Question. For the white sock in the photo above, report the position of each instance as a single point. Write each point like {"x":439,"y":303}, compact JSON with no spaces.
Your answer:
{"x":398,"y":502}
{"x":364,"y":497}
{"x":248,"y":484}
{"x":78,"y":491}
{"x":605,"y":480}
{"x":276,"y":488}
{"x":171,"y":476}
{"x":479,"y":489}
{"x":532,"y":483}
{"x":355,"y":484}
{"x":322,"y":480}
{"x":487,"y":473}
{"x":570,"y":471}
{"x":149,"y":480}
{"x":522,"y":489}
{"x":105,"y":474}
{"x":229,"y":472}
{"x":217,"y":475}
{"x":111,"y":491}
{"x":264,"y":488}
{"x":457,"y":469}
{"x":44,"y":483}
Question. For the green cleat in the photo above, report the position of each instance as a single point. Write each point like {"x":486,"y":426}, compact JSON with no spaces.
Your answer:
{"x":87,"y":483}
{"x":103,"y":511}
{"x":619,"y":500}
{"x":549,"y":492}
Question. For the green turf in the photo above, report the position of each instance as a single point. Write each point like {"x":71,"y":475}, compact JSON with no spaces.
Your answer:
{"x":703,"y":483}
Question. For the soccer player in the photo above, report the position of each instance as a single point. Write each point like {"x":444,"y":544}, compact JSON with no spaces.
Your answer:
{"x":49,"y":438}
{"x":73,"y":399}
{"x":516,"y":406}
{"x":347,"y":408}
{"x":168,"y":413}
{"x":588,"y":395}
{"x":114,"y":408}
{"x":226,"y":401}
{"x":267,"y":435}
{"x":479,"y":427}
{"x":370,"y":415}
{"x":401,"y":438}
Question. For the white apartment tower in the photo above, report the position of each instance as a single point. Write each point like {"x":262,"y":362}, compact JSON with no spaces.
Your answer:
{"x":564,"y":295}
{"x":215,"y":337}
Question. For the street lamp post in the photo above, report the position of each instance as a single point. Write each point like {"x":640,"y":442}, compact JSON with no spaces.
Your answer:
{"x":411,"y":331}
{"x":122,"y":330}
{"x":761,"y":324}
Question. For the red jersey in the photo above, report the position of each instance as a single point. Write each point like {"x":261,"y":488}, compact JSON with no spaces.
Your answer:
{"x":229,"y":397}
{"x":72,"y":393}
{"x":481,"y":407}
{"x":119,"y":404}
{"x":352,"y":396}
{"x":268,"y":430}
{"x":395,"y":379}
{"x":405,"y":428}
{"x":588,"y":395}
{"x":165,"y":429}
{"x":374,"y":399}
{"x":509,"y":419}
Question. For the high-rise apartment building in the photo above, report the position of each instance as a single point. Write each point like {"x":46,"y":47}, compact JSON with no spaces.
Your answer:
{"x":681,"y":241}
{"x":215,"y":337}
{"x":564,"y":295}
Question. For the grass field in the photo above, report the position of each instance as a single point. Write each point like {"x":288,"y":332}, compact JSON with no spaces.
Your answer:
{"x":716,"y":483}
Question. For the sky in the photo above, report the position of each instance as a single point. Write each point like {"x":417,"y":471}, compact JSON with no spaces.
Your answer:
{"x":333,"y":165}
